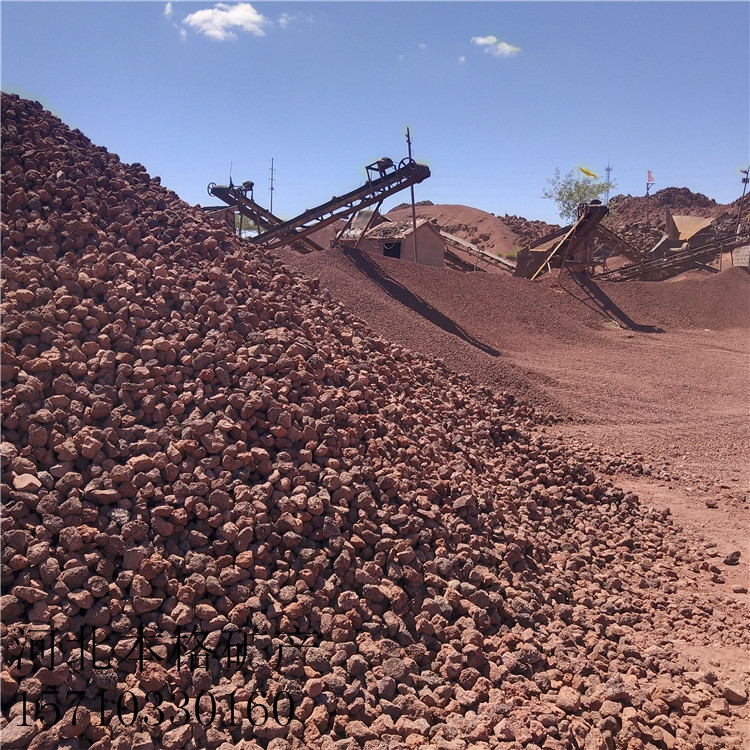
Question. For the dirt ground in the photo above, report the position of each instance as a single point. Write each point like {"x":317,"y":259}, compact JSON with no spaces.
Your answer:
{"x":658,"y":371}
{"x":657,"y":368}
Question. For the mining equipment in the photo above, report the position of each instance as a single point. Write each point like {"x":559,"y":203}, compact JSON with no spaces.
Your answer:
{"x":689,"y":242}
{"x":679,"y":261}
{"x":384,"y":179}
{"x":574,"y":249}
{"x":241,"y":198}
{"x":466,"y":256}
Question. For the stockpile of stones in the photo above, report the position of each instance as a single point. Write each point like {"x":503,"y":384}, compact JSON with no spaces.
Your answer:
{"x":629,"y":210}
{"x":642,"y":222}
{"x":528,"y":231}
{"x":196,"y":441}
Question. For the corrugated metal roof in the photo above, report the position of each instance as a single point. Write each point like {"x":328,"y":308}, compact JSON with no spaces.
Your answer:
{"x":394,"y":229}
{"x":387,"y":230}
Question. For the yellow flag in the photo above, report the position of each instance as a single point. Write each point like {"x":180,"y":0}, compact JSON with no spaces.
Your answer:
{"x":586,"y":172}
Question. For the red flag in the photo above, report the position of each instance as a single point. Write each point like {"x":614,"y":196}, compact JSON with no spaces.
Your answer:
{"x":650,"y":176}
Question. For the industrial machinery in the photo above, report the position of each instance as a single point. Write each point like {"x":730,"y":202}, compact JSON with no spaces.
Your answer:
{"x":241,"y":197}
{"x":676,"y":262}
{"x":574,"y":247}
{"x":467,"y":256}
{"x":274,"y":232}
{"x":576,"y":243}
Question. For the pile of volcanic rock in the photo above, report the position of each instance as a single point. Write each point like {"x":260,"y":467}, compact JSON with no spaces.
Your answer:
{"x":528,"y":231}
{"x":199,"y":445}
{"x":628,"y":210}
{"x":642,"y":222}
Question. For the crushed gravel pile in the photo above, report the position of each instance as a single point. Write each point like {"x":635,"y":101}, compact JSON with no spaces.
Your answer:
{"x":483,"y":229}
{"x":628,"y":211}
{"x":528,"y":231}
{"x":235,"y":517}
{"x":490,"y":325}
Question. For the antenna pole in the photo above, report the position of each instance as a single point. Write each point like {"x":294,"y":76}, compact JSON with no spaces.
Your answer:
{"x":608,"y":170}
{"x":413,"y":207}
{"x":272,"y":171}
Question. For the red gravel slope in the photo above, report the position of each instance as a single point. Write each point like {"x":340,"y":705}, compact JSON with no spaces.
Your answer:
{"x":609,"y":353}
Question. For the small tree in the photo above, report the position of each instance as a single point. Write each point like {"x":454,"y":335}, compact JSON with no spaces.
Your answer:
{"x":571,"y":190}
{"x":244,"y":226}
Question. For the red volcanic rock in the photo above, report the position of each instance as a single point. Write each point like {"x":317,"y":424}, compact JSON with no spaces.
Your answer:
{"x":212,"y":467}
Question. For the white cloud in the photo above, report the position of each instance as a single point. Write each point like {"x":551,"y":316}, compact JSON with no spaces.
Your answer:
{"x":493,"y":46}
{"x":168,"y":10}
{"x":422,"y":47}
{"x":288,"y":19}
{"x":461,"y":60}
{"x":294,"y":19}
{"x":218,"y":22}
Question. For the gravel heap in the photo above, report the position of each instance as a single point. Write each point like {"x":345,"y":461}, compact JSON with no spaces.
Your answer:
{"x":628,"y":210}
{"x":402,"y":206}
{"x":196,"y":438}
{"x":481,"y":228}
{"x":528,"y":231}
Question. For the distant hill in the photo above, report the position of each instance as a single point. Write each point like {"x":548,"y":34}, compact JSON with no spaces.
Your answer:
{"x":472,"y":224}
{"x":628,"y":210}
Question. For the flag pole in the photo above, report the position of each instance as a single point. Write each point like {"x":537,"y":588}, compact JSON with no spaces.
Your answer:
{"x":649,"y":184}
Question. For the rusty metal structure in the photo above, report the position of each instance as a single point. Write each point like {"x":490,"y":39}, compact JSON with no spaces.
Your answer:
{"x":689,"y":242}
{"x":572,"y":247}
{"x":671,"y":264}
{"x":274,"y":232}
{"x":467,"y":256}
{"x":240,"y":197}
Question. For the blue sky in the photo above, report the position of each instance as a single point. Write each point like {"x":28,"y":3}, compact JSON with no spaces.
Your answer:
{"x":496,"y":94}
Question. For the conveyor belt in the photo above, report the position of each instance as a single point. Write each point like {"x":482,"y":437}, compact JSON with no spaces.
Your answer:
{"x":660,"y":268}
{"x":262,"y":217}
{"x":590,"y":216}
{"x":276,"y":232}
{"x":475,"y":255}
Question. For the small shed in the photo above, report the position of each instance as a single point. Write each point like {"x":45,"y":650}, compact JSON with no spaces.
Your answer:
{"x":395,"y":239}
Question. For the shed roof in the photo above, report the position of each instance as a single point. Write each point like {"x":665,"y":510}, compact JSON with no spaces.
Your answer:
{"x":387,"y":230}
{"x":396,"y":230}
